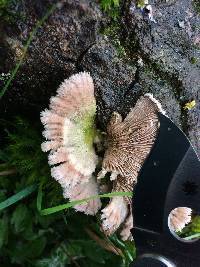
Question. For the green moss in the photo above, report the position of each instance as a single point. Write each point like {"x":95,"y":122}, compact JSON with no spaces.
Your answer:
{"x":196,"y":4}
{"x":112,"y":31}
{"x":3,"y":7}
{"x":5,"y":13}
{"x":4,"y":3}
{"x":23,"y":154}
{"x":194,"y":60}
{"x":195,"y":225}
{"x":8,"y":11}
{"x":24,"y":146}
{"x":140,"y":3}
{"x":111,"y":7}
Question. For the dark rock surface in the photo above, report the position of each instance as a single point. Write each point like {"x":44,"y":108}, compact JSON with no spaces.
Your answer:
{"x":112,"y":76}
{"x":168,"y":48}
{"x":53,"y":55}
{"x":161,"y":58}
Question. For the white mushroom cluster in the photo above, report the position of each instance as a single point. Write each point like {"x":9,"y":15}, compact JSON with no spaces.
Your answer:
{"x":70,"y":132}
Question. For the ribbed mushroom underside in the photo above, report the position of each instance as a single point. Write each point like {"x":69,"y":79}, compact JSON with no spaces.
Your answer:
{"x":179,"y":217}
{"x":129,"y":143}
{"x":70,"y":132}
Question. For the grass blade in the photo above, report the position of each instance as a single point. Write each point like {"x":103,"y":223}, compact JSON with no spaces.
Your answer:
{"x":197,"y":235}
{"x":73,"y":203}
{"x":39,"y":199}
{"x":17,"y":197}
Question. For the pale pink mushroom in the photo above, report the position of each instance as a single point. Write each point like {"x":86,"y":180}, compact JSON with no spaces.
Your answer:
{"x":70,"y":133}
{"x":129,"y":143}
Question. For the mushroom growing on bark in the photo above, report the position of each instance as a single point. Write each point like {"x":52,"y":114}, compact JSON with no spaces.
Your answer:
{"x":70,"y":131}
{"x":129,"y":143}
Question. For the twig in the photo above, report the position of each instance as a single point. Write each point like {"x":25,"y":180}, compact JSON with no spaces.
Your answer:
{"x":8,"y":172}
{"x":103,"y":243}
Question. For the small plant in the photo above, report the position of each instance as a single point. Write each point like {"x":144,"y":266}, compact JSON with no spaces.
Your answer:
{"x":111,"y":7}
{"x":27,"y":238}
{"x":190,"y":105}
{"x":112,"y":32}
{"x":196,"y":5}
{"x":109,"y":4}
{"x":3,"y":5}
{"x":194,"y":60}
{"x":6,"y":12}
{"x":192,"y":230}
{"x":141,"y":3}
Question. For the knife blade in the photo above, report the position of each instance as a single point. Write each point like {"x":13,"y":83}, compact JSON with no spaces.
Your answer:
{"x":169,"y":178}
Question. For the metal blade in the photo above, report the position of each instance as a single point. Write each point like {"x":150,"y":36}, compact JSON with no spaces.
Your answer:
{"x":169,"y":178}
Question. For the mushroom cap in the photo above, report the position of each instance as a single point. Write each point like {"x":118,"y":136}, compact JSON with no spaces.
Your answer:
{"x":70,"y":133}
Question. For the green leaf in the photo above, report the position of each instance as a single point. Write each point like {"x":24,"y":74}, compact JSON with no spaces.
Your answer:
{"x":17,"y":197}
{"x":3,"y":231}
{"x":22,"y":252}
{"x":116,"y":3}
{"x":3,"y":156}
{"x":197,"y":235}
{"x":58,"y":258}
{"x":195,"y":225}
{"x":130,"y":251}
{"x":74,"y":248}
{"x":39,"y":199}
{"x":20,"y":218}
{"x":98,"y":254}
{"x":28,"y":233}
{"x":36,"y":247}
{"x":2,"y":195}
{"x":73,"y":203}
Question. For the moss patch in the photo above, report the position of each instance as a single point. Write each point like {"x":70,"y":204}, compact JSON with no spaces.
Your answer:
{"x":111,"y":7}
{"x":8,"y":13}
{"x":194,"y":60}
{"x":196,"y":4}
{"x":112,"y":32}
{"x":140,"y":3}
